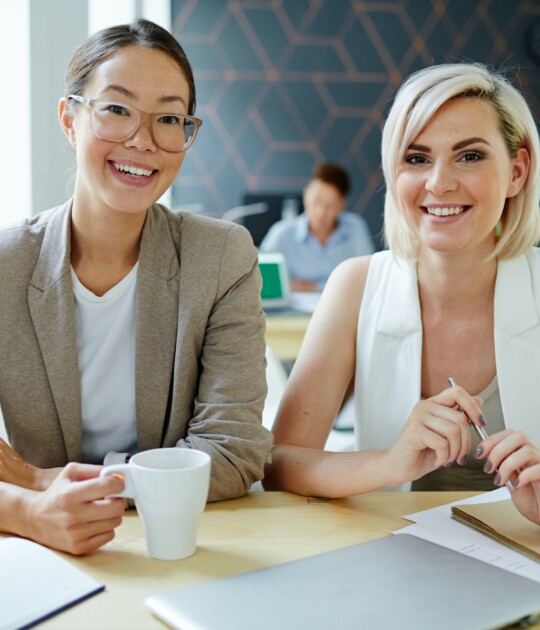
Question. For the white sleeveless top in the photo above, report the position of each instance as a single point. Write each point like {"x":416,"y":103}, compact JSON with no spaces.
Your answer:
{"x":106,"y":349}
{"x":389,"y":344}
{"x":388,"y":353}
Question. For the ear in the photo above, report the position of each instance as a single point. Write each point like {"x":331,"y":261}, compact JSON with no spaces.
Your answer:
{"x":65,"y":116}
{"x":520,"y":171}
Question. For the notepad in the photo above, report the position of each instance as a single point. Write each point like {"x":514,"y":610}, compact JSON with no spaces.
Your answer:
{"x":36,"y":583}
{"x":502,"y":522}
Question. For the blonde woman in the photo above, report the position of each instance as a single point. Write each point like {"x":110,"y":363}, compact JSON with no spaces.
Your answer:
{"x":457,"y":295}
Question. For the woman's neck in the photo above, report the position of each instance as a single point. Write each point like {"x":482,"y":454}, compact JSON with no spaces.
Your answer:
{"x":104,"y":235}
{"x":460,"y":283}
{"x":104,"y":245}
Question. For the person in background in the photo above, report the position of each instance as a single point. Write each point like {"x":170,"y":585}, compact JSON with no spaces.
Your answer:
{"x":124,"y":326}
{"x":323,"y":236}
{"x":457,"y":295}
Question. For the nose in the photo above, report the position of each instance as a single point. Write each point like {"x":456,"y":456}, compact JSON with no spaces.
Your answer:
{"x":142,"y":138}
{"x":440,"y":179}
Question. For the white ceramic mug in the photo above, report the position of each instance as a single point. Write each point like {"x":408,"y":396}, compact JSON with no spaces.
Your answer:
{"x":170,"y":489}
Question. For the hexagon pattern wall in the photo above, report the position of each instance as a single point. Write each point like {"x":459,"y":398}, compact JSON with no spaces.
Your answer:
{"x":285,"y":84}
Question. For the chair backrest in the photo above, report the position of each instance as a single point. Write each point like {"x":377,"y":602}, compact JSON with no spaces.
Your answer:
{"x":259,"y":224}
{"x":239,"y":213}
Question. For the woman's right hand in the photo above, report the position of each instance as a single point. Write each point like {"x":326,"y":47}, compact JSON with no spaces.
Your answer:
{"x":436,"y":434}
{"x":76,"y":513}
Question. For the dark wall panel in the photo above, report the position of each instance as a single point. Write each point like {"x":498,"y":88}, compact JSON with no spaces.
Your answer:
{"x":285,"y":84}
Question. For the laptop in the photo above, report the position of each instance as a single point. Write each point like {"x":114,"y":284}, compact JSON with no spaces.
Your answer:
{"x":275,"y":292}
{"x":394,"y":582}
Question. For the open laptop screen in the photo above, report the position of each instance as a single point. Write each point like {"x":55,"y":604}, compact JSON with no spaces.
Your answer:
{"x":275,"y":292}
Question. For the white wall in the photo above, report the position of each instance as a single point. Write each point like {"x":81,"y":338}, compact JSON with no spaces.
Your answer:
{"x":56,"y":28}
{"x":15,"y":113}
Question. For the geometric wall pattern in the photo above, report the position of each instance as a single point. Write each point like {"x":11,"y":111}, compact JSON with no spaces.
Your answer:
{"x":285,"y":84}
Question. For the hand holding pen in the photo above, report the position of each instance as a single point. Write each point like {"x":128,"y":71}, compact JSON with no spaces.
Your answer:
{"x":482,"y":434}
{"x":436,"y":434}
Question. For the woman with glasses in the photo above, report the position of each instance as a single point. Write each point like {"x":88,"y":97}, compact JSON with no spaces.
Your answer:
{"x":457,"y":295}
{"x":124,"y":326}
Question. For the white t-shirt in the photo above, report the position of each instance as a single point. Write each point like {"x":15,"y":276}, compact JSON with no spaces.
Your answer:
{"x":106,"y":348}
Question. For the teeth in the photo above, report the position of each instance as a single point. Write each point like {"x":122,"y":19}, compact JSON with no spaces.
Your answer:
{"x":444,"y":212}
{"x":132,"y":170}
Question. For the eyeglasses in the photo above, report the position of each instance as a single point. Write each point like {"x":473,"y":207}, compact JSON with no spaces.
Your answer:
{"x":117,"y":122}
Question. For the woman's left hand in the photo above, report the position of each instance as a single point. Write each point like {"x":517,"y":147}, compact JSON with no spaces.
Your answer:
{"x":516,"y":459}
{"x":14,"y":470}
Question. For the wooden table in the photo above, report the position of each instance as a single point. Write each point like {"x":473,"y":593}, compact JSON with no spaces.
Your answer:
{"x":285,"y":333}
{"x":258,"y":530}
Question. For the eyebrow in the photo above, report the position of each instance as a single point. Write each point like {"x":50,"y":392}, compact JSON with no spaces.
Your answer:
{"x":130,"y":94}
{"x":456,"y":147}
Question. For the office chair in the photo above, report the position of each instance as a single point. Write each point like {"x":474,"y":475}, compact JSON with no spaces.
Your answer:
{"x":239,"y":213}
{"x":258,"y":226}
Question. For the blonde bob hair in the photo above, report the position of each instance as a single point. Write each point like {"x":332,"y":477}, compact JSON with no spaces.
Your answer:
{"x":420,"y":96}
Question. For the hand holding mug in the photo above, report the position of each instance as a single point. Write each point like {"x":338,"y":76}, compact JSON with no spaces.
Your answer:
{"x":170,"y":489}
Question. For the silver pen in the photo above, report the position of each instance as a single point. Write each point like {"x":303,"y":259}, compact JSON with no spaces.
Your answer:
{"x":482,"y":433}
{"x":479,"y":430}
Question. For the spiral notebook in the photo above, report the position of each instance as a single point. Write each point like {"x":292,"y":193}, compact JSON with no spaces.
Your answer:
{"x":36,"y":583}
{"x":394,"y":582}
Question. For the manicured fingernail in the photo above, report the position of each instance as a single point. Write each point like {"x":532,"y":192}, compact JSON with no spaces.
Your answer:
{"x":478,"y":452}
{"x":515,"y":483}
{"x":463,"y":460}
{"x":487,"y":467}
{"x":497,"y":480}
{"x":482,"y":420}
{"x":119,"y":476}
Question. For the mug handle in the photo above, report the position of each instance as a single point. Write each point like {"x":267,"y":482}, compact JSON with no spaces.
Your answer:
{"x":125,"y":471}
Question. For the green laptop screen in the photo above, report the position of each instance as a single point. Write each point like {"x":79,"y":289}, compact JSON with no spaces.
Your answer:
{"x":271,"y":280}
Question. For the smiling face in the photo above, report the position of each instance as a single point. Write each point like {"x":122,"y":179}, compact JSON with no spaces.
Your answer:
{"x":455,"y":177}
{"x":126,"y":176}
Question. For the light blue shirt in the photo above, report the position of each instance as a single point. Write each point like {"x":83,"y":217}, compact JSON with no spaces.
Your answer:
{"x":307,"y":258}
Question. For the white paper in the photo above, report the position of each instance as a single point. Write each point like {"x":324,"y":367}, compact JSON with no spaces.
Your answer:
{"x":438,"y":526}
{"x":35,"y":583}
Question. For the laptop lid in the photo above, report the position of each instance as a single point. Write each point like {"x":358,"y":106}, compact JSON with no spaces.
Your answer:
{"x":394,"y":582}
{"x":275,"y":292}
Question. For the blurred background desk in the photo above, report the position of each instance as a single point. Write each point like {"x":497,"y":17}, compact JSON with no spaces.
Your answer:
{"x":285,"y":332}
{"x":256,"y":531}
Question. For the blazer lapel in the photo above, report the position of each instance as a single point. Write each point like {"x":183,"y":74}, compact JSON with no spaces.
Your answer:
{"x":401,"y":325}
{"x":517,"y":345}
{"x":157,"y":323}
{"x":51,"y":303}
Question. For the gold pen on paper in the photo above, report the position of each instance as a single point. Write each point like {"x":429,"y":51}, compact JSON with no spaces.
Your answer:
{"x":481,"y":432}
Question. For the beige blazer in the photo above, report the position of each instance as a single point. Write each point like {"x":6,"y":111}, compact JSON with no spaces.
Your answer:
{"x":200,"y":369}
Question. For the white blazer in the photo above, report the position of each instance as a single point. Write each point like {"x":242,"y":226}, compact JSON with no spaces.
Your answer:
{"x":389,"y":348}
